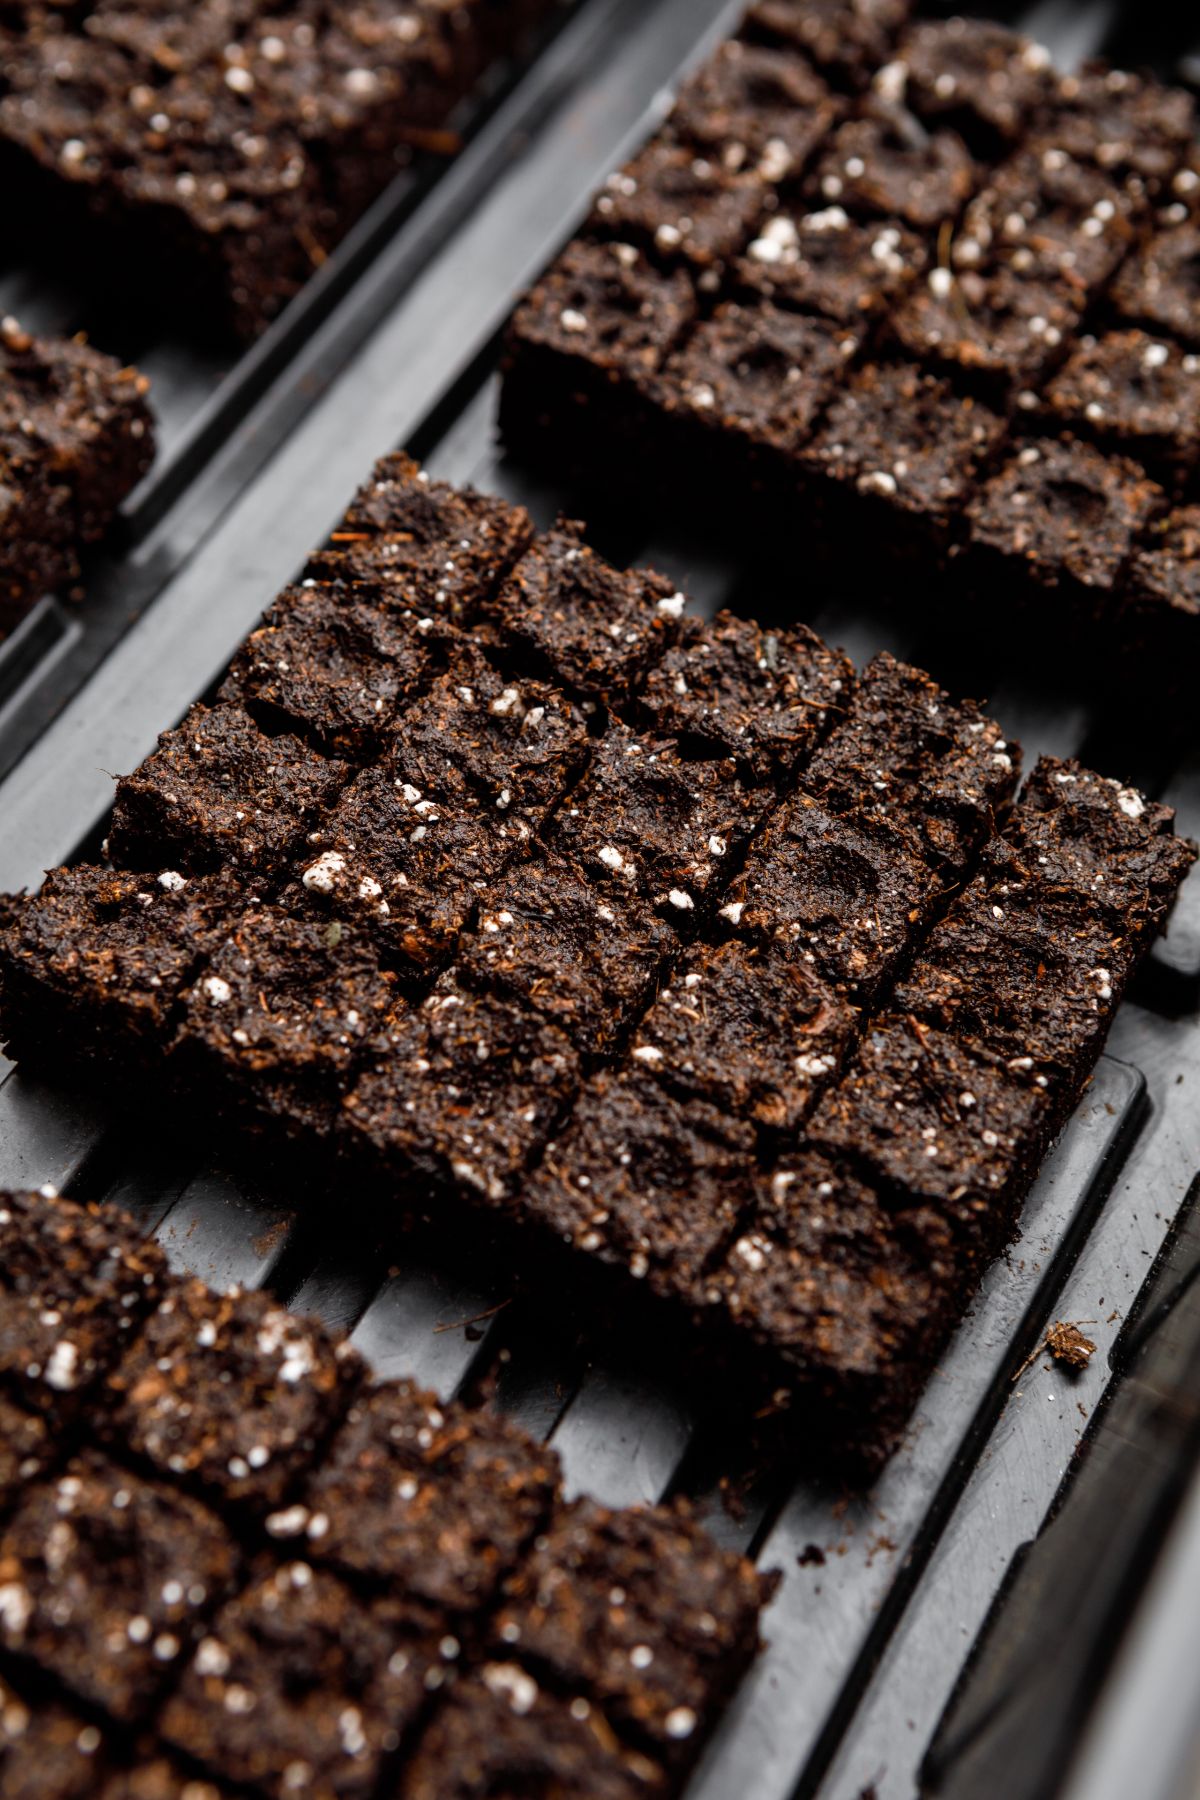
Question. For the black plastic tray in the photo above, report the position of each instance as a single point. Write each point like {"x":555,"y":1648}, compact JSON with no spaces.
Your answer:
{"x":885,"y":1592}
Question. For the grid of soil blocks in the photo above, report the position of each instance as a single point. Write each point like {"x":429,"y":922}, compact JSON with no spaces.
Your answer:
{"x":225,"y":147}
{"x":908,"y":287}
{"x":75,"y":437}
{"x":678,"y":954}
{"x":232,"y":1564}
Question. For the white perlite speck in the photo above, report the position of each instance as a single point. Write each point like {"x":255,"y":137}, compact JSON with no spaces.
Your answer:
{"x":752,"y":1251}
{"x":778,"y":240}
{"x":891,"y":83}
{"x":15,"y":1608}
{"x":1102,"y":981}
{"x":321,"y":877}
{"x":829,"y":218}
{"x":353,"y":1737}
{"x":62,"y":1367}
{"x":288,"y":1523}
{"x":511,"y":1683}
{"x":216,"y":991}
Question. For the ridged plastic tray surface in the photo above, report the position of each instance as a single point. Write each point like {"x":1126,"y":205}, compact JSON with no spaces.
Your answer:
{"x":884,"y":1592}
